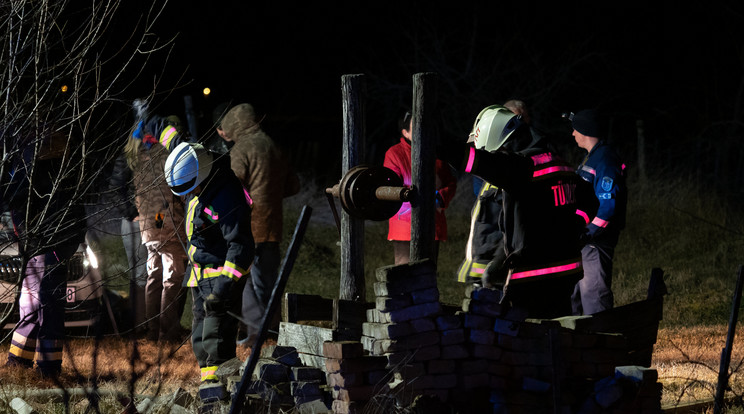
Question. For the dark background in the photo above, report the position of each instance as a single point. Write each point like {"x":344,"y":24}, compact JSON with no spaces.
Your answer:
{"x":678,"y":69}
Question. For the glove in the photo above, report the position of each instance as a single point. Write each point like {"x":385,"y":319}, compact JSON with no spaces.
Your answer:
{"x":218,"y":300}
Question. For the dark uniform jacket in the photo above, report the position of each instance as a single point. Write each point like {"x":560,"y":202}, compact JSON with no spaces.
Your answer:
{"x":218,"y":227}
{"x":603,"y":168}
{"x":545,"y":209}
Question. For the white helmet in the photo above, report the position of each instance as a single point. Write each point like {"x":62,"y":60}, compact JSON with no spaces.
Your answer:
{"x":493,"y":126}
{"x":187,"y":166}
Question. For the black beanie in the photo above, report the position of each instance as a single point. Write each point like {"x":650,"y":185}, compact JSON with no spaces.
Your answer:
{"x":587,"y":122}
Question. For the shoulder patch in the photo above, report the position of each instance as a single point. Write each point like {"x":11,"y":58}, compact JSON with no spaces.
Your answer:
{"x":606,"y":183}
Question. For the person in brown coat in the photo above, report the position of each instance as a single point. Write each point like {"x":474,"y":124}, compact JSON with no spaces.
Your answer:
{"x":161,"y":221}
{"x":268,"y":178}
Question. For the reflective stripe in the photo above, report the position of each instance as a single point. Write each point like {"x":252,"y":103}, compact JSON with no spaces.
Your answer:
{"x":167,"y":135}
{"x":209,"y":373}
{"x":232,"y":271}
{"x":583,"y":215}
{"x":22,"y":346}
{"x":546,"y":270}
{"x":549,"y":170}
{"x":471,"y":160}
{"x":190,"y":214}
{"x":599,"y":222}
{"x":214,"y":216}
{"x":590,"y":170}
{"x":542,"y":158}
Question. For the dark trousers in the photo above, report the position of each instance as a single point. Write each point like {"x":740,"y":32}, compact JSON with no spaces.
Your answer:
{"x":213,"y":334}
{"x":593,"y":293}
{"x":257,"y":290}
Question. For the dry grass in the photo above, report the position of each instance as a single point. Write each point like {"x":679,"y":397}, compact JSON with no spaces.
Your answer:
{"x":687,"y":360}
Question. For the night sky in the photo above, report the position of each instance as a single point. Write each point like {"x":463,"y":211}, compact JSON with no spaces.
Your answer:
{"x":678,"y":68}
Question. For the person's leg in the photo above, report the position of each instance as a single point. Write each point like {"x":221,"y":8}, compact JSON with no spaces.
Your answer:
{"x":172,"y":259}
{"x":265,"y":270}
{"x":137,"y":259}
{"x":26,"y":332}
{"x":596,"y":286}
{"x":53,"y":294}
{"x":153,"y":290}
{"x":197,"y":324}
{"x":252,"y":311}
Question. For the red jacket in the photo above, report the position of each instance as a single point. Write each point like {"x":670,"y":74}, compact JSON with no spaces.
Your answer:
{"x":398,"y":159}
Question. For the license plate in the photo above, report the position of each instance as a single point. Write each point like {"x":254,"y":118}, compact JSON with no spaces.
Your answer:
{"x":71,"y":294}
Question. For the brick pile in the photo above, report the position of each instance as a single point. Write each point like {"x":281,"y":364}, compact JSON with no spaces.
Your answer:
{"x":482,"y":358}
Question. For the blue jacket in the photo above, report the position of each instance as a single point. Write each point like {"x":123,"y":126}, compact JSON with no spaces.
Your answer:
{"x":603,"y":168}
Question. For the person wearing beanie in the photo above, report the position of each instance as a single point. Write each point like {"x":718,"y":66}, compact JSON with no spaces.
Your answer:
{"x":605,"y":170}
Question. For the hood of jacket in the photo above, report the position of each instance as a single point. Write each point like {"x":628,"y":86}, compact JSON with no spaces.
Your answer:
{"x":239,"y":120}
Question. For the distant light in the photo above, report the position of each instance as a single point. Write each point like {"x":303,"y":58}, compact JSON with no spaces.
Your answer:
{"x":64,"y":88}
{"x":206,"y":91}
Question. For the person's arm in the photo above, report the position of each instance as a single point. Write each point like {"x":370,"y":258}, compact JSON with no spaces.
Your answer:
{"x":606,"y":188}
{"x":505,"y":170}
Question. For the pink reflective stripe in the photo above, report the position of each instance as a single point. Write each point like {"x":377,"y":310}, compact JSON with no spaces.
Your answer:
{"x":248,"y":198}
{"x":477,"y":270}
{"x":214,"y":216}
{"x":471,"y":160}
{"x":549,"y":170}
{"x":590,"y":170}
{"x":167,"y":135}
{"x":232,"y":271}
{"x":542,"y":158}
{"x":546,"y":271}
{"x":599,"y":222}
{"x":583,"y":215}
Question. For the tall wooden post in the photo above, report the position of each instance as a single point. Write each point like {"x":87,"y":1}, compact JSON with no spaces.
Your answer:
{"x":352,"y":285}
{"x":423,"y":167}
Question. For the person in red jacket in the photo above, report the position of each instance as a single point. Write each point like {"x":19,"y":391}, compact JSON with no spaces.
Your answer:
{"x":398,"y":159}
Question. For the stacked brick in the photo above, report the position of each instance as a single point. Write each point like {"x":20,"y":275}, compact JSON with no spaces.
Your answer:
{"x":354,"y":378}
{"x":280,"y":379}
{"x":483,"y":358}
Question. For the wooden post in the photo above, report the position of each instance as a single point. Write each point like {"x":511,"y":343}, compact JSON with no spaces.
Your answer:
{"x":723,"y":375}
{"x":352,"y":285}
{"x":423,"y":167}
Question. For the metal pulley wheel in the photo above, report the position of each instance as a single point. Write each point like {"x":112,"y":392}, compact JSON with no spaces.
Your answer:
{"x":371,"y":192}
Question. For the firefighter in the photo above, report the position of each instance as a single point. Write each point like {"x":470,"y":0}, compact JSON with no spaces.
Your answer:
{"x":220,"y":250}
{"x":545,"y":209}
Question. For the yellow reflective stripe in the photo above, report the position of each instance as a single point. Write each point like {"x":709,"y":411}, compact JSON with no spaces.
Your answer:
{"x":233,"y":271}
{"x":210,"y":272}
{"x":193,"y":277}
{"x":21,"y":353}
{"x":167,"y":135}
{"x":22,"y":346}
{"x":191,"y":251}
{"x":190,"y":214}
{"x":209,"y":373}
